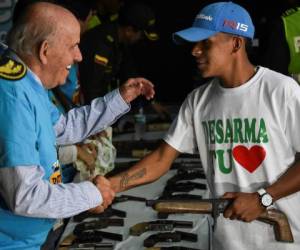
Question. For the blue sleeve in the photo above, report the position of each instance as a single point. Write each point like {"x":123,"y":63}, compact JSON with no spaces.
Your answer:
{"x":18,"y":134}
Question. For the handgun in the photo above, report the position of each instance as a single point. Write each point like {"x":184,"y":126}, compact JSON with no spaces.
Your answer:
{"x":176,"y":236}
{"x":158,"y":225}
{"x":108,"y":212}
{"x":98,"y":224}
{"x":96,"y":236}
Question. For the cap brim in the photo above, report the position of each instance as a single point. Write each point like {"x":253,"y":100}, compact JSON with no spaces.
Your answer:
{"x":192,"y":35}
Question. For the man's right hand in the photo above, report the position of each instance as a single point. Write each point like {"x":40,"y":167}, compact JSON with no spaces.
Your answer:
{"x":134,"y":87}
{"x":106,"y":191}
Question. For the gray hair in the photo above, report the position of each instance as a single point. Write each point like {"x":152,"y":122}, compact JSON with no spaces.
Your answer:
{"x":29,"y":32}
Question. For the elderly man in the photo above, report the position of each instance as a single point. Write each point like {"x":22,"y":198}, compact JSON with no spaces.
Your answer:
{"x":45,"y":39}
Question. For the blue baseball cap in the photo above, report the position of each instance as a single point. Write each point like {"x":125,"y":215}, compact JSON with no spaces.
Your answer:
{"x":226,"y":17}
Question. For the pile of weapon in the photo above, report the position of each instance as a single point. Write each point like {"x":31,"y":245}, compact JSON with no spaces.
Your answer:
{"x":175,"y":198}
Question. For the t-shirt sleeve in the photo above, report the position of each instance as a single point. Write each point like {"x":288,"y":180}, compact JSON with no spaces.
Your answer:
{"x":181,"y":134}
{"x":18,"y":143}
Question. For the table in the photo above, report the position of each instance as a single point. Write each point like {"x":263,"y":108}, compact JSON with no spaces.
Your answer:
{"x":138,"y":212}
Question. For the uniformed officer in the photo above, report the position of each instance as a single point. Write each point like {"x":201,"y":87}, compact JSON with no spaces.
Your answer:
{"x":106,"y":11}
{"x":106,"y":53}
{"x":283,"y":50}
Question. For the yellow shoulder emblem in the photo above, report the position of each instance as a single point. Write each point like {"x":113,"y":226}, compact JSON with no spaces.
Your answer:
{"x":11,"y":69}
{"x":110,"y":38}
{"x":100,"y":60}
{"x":290,"y":12}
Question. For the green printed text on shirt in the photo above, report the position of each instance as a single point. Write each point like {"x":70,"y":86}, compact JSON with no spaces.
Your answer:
{"x":231,"y":133}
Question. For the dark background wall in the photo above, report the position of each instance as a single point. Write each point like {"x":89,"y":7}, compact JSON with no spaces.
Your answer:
{"x":171,"y":67}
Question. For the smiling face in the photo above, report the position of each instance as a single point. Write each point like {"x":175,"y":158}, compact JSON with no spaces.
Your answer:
{"x":62,"y":52}
{"x":213,"y":55}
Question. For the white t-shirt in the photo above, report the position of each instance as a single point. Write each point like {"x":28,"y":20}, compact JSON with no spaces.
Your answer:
{"x":247,"y":137}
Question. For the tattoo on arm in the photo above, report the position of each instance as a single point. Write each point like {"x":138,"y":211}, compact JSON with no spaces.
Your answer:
{"x":125,"y":178}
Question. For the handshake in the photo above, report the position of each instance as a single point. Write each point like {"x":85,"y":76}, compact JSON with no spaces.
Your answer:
{"x":108,"y":194}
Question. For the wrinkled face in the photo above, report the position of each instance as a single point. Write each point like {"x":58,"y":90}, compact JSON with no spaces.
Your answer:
{"x":63,"y":51}
{"x":213,"y":55}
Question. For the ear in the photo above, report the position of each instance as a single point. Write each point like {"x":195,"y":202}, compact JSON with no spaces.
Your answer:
{"x":237,"y":44}
{"x":43,"y":52}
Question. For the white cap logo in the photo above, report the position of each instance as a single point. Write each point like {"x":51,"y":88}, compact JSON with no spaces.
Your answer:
{"x":202,"y":16}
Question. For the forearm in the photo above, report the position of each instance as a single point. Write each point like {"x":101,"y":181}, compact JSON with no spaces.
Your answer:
{"x":27,"y":194}
{"x":81,"y":122}
{"x":287,"y":184}
{"x":149,"y":169}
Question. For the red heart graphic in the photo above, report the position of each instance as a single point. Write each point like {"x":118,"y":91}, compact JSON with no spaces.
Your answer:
{"x":249,"y":159}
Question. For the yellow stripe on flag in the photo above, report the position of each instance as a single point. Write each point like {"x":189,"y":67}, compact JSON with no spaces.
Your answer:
{"x":101,"y":60}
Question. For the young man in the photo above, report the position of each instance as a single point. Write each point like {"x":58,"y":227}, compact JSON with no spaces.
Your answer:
{"x":45,"y":38}
{"x":244,"y":124}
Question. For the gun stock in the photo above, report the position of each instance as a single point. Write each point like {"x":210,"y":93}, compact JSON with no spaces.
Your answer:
{"x":280,"y":223}
{"x":273,"y":217}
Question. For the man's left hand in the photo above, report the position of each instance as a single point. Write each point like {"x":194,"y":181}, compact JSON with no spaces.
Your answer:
{"x":245,"y":206}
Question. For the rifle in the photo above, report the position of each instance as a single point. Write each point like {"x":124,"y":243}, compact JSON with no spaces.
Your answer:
{"x":214,"y":207}
{"x":169,"y":196}
{"x":150,"y":203}
{"x":158,"y":225}
{"x":176,"y":197}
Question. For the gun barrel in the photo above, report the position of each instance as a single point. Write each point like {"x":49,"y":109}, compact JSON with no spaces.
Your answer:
{"x":274,"y":217}
{"x":176,"y":206}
